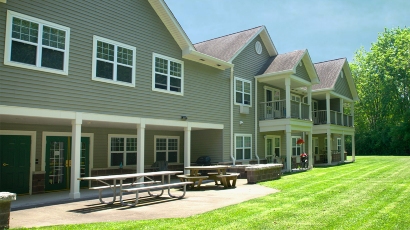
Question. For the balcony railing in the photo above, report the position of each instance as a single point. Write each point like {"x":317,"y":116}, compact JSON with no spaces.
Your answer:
{"x":277,"y":109}
{"x":336,"y":118}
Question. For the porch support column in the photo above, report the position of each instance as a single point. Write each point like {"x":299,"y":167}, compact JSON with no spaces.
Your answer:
{"x":187,"y":148}
{"x":287,"y":84}
{"x":353,"y":148}
{"x":310,"y":152}
{"x":75,"y":156}
{"x":309,"y":91}
{"x":342,"y":149}
{"x":352,"y":113}
{"x":288,"y":148}
{"x":140,"y":147}
{"x":329,"y":153}
{"x":328,"y":108}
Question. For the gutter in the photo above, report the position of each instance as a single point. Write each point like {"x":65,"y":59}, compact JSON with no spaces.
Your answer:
{"x":256,"y":120}
{"x":231,"y":83}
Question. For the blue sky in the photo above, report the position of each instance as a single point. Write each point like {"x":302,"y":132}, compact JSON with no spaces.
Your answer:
{"x":329,"y":29}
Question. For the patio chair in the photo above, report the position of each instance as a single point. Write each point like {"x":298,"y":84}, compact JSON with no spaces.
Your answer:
{"x":160,"y":166}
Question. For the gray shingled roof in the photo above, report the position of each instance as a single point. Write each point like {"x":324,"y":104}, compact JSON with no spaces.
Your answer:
{"x":282,"y":62}
{"x":328,"y":73}
{"x":225,"y":47}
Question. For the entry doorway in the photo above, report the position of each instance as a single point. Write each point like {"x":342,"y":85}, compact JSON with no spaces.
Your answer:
{"x":272,"y":149}
{"x":58,"y":162}
{"x":15,"y":163}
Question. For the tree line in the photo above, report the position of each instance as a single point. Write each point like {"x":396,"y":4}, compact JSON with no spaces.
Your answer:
{"x":382,"y":78}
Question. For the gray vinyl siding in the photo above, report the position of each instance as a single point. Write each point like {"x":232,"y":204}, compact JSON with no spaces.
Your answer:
{"x":133,"y":23}
{"x":302,"y":73}
{"x":335,"y":104}
{"x":208,"y":143}
{"x":342,"y":87}
{"x":247,"y":65}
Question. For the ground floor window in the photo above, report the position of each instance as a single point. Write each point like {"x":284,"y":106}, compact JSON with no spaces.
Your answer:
{"x":167,"y":149}
{"x":339,"y":145}
{"x":315,"y":145}
{"x":296,"y":149}
{"x":122,"y":150}
{"x":243,"y":146}
{"x":272,"y":145}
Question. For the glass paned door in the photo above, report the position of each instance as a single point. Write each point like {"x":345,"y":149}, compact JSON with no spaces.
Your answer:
{"x":56,"y":163}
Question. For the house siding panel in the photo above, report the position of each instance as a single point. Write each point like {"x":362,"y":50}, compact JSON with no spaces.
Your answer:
{"x":302,"y":73}
{"x":77,"y":92}
{"x":342,"y":87}
{"x":247,"y":65}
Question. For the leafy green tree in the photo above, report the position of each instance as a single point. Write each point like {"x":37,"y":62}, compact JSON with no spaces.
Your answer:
{"x":382,"y":77}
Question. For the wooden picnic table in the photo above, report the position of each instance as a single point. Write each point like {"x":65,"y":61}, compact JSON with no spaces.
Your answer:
{"x":137,"y":185}
{"x":220,"y":175}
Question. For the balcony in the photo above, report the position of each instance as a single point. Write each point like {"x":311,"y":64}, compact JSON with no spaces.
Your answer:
{"x":277,"y":110}
{"x":336,"y":118}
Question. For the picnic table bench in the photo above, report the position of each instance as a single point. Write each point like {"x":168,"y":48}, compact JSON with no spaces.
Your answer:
{"x":192,"y":179}
{"x":138,"y":185}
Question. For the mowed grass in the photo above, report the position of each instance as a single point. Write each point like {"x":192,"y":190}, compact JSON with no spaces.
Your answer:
{"x":372,"y":193}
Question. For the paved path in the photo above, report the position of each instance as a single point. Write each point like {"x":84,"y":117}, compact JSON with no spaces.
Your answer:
{"x":210,"y":197}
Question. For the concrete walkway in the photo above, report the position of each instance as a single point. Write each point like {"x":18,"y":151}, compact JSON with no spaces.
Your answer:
{"x":57,"y":209}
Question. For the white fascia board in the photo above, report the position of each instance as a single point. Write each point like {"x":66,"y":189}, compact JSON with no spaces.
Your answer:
{"x":265,"y":39}
{"x":171,"y":23}
{"x":268,"y":42}
{"x":300,"y":80}
{"x":196,"y":56}
{"x":246,"y":44}
{"x":35,"y":112}
{"x":284,"y":72}
{"x":319,"y":91}
{"x":350,"y":81}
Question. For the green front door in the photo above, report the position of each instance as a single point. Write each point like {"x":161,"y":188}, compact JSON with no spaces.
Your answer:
{"x":15,"y":163}
{"x":58,"y":162}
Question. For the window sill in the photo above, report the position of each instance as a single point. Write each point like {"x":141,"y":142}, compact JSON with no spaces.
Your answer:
{"x":113,"y":82}
{"x":32,"y":67}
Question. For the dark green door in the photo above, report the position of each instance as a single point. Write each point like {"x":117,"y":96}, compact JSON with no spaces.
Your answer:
{"x":15,"y":163}
{"x":58,"y":162}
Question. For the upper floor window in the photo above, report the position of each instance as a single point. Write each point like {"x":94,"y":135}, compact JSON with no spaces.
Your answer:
{"x":243,"y":92}
{"x":167,"y":74}
{"x":36,"y":44}
{"x":113,"y":62}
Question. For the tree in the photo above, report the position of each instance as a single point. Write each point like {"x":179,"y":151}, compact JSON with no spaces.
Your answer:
{"x":382,"y":78}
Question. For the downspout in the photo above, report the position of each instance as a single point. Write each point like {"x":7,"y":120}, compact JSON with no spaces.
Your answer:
{"x":256,"y":120}
{"x":232,"y":142}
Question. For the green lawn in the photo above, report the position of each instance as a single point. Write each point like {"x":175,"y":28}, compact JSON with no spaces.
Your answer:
{"x":372,"y":193}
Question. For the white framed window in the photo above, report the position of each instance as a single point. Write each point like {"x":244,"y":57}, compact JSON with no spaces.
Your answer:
{"x":166,"y":148}
{"x":295,"y":97}
{"x":243,"y":92}
{"x":243,"y":146}
{"x":296,"y":149}
{"x":167,"y":74}
{"x":339,"y":144}
{"x":113,"y":62}
{"x":36,"y":44}
{"x":122,"y":150}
